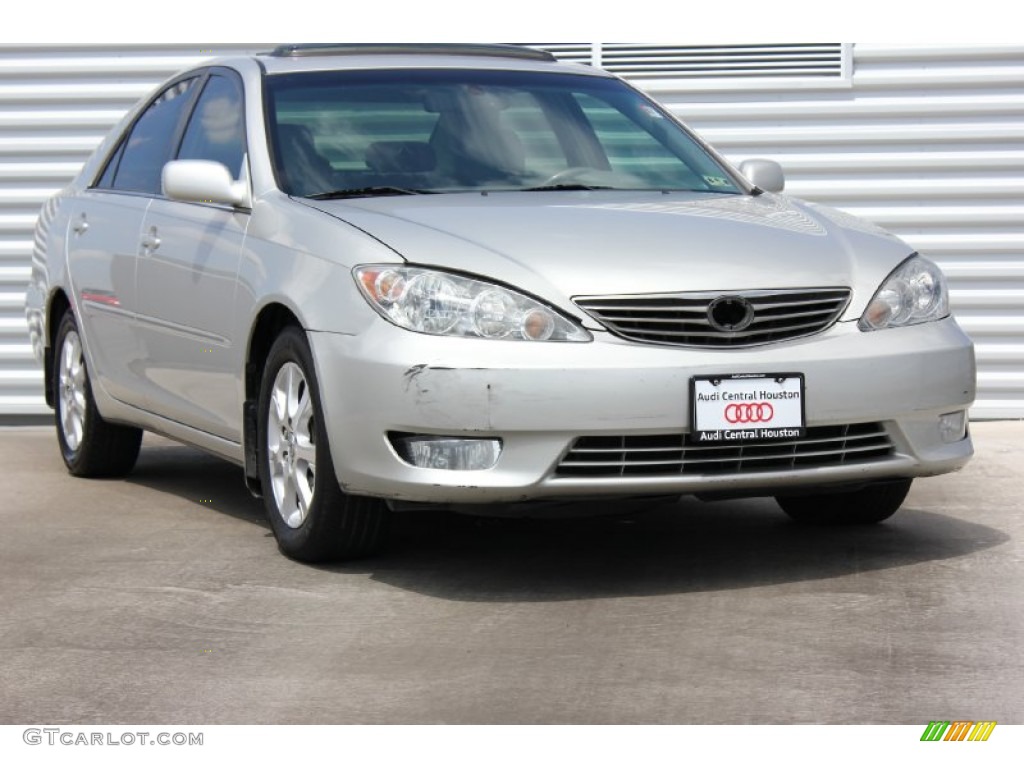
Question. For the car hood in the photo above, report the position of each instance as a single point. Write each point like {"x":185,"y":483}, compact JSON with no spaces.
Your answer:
{"x":560,"y":245}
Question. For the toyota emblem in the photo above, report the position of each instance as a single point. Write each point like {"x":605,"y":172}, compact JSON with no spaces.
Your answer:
{"x":730,"y":314}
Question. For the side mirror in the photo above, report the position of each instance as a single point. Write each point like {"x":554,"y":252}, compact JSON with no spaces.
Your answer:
{"x":204,"y":181}
{"x":764,"y":174}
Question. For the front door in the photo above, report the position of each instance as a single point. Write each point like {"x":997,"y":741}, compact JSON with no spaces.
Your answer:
{"x":186,"y":279}
{"x":186,"y":287}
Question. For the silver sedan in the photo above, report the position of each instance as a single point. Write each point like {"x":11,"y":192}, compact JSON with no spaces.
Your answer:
{"x":381,"y":277}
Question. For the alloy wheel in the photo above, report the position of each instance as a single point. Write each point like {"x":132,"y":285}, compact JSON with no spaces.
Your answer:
{"x":291,"y":444}
{"x":71,"y":398}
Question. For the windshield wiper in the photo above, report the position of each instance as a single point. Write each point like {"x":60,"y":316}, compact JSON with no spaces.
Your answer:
{"x":669,"y":190}
{"x":564,"y":188}
{"x":382,"y":191}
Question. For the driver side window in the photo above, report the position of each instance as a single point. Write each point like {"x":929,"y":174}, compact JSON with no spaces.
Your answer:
{"x":216,"y":130}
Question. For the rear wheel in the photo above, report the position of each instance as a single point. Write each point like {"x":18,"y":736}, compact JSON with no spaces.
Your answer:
{"x":872,"y":504}
{"x":90,"y":446}
{"x":312,"y":518}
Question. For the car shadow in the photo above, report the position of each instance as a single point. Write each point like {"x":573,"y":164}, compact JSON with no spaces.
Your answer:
{"x":688,"y":546}
{"x":193,"y":475}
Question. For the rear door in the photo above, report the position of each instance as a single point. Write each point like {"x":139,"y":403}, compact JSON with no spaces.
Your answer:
{"x":106,"y":236}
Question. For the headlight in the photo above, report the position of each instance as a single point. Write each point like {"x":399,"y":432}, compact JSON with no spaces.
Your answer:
{"x":914,"y":293}
{"x":444,"y":304}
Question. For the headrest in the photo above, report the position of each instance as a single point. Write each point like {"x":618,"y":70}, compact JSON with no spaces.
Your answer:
{"x":292,"y":133}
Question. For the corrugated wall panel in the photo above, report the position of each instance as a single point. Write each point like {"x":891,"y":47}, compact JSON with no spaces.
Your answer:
{"x":928,"y":142}
{"x":56,"y":104}
{"x":925,"y":140}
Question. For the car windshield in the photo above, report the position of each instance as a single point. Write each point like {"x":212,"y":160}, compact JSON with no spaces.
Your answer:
{"x":392,"y":132}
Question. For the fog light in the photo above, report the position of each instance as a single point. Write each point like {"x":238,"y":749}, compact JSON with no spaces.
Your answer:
{"x":953,"y":426}
{"x":434,"y":452}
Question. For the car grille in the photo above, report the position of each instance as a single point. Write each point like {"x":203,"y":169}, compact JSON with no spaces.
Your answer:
{"x":683,"y":319}
{"x":620,"y":456}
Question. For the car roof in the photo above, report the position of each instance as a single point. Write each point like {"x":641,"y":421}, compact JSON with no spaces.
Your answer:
{"x":355,"y":56}
{"x":501,"y":50}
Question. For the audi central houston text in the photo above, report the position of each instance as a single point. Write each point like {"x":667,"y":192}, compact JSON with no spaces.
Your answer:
{"x":392,"y":277}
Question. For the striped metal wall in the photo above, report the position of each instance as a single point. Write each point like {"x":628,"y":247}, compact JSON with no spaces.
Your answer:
{"x":927,"y":141}
{"x":56,"y":104}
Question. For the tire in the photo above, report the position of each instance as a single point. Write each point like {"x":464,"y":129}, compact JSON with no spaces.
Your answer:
{"x":312,"y":518}
{"x":872,"y":504}
{"x":89,"y":445}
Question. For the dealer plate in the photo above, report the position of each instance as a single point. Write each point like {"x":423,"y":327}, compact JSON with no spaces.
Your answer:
{"x":744,"y":408}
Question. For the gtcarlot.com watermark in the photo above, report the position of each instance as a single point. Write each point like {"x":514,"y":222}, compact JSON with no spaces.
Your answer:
{"x":70,"y":738}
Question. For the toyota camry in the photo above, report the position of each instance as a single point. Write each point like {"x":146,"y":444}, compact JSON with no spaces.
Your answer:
{"x":382,"y":277}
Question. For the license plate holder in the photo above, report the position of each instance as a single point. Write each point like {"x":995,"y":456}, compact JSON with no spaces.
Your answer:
{"x":742,"y":408}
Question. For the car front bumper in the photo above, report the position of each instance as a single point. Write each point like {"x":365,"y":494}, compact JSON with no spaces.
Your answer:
{"x":539,"y":398}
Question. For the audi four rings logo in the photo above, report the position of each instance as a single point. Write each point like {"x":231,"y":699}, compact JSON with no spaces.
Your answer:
{"x":749,"y":413}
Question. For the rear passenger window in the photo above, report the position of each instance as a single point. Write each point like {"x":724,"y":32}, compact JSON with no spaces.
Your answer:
{"x":216,"y":129}
{"x":107,"y":179}
{"x":149,"y":146}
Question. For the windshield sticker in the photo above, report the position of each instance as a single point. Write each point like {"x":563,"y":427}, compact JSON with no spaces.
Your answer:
{"x":716,"y":181}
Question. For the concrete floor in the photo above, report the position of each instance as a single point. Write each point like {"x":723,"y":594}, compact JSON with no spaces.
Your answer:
{"x":163,"y":599}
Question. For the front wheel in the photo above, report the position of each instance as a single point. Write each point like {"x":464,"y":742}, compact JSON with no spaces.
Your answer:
{"x":312,"y":518}
{"x":872,"y":504}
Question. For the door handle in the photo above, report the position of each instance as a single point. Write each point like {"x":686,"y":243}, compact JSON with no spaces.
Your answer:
{"x":81,"y":226}
{"x":150,"y":242}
